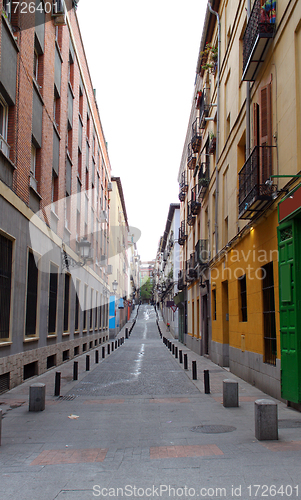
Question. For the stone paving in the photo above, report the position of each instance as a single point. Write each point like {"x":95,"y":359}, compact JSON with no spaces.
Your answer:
{"x":138,"y":426}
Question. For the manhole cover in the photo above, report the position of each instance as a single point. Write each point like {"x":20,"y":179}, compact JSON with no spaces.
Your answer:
{"x":67,"y":398}
{"x":213,"y":429}
{"x":289,"y":424}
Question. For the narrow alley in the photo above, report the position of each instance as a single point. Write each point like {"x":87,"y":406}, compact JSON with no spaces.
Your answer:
{"x":136,"y":425}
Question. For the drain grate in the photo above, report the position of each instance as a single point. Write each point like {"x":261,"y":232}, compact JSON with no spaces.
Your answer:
{"x":69,"y":397}
{"x":213,"y":429}
{"x":289,"y":424}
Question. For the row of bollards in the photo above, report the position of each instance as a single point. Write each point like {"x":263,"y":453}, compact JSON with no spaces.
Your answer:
{"x":183,"y":359}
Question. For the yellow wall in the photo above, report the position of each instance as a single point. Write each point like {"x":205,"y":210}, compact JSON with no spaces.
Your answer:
{"x":253,"y":251}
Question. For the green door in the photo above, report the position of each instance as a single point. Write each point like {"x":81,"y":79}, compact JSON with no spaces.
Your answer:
{"x":289,"y":301}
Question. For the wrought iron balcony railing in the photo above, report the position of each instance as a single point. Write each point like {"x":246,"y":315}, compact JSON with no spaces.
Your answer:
{"x":181,"y":280}
{"x":196,"y":138}
{"x":191,"y":157}
{"x":202,"y":252}
{"x":255,"y":189}
{"x":259,"y":32}
{"x":203,"y":179}
{"x":195,"y":202}
{"x":182,"y":233}
{"x":190,"y":215}
{"x":204,"y":106}
{"x":191,"y":272}
{"x":183,"y":187}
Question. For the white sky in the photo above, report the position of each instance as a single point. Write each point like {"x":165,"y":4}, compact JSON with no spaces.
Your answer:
{"x":142,"y":58}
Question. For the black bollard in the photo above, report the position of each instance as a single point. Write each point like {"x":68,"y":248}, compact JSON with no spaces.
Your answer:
{"x":103,"y":352}
{"x":112,"y":346}
{"x":75,"y":370}
{"x":96,"y":356}
{"x":108,"y":348}
{"x":57,"y":385}
{"x":116,"y":344}
{"x":185,"y":362}
{"x":206,"y":382}
{"x":180,"y":356}
{"x":194,"y":371}
{"x":87,"y":362}
{"x":126,"y":333}
{"x":176,"y":352}
{"x":173,"y":348}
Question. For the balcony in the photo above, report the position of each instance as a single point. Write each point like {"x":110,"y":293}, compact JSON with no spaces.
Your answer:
{"x":181,"y":280}
{"x":202,"y":252}
{"x":182,"y":234}
{"x":191,"y":272}
{"x":255,"y":194}
{"x":204,"y":106}
{"x":191,"y":157}
{"x":203,"y":179}
{"x":190,"y":215}
{"x":195,"y":203}
{"x":196,"y":138}
{"x":183,"y":187}
{"x":257,"y":38}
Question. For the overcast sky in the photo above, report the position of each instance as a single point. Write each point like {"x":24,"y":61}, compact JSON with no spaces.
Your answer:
{"x":142,"y":58}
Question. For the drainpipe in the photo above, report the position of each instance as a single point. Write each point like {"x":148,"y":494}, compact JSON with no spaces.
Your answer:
{"x":248,"y":100}
{"x":217,"y":123}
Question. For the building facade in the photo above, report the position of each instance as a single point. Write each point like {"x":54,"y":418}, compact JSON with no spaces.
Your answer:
{"x":248,"y":106}
{"x":118,"y":259}
{"x":54,"y":181}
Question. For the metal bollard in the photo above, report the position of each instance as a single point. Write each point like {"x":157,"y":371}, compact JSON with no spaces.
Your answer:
{"x":180,"y":356}
{"x":194,"y":371}
{"x":116,"y":344}
{"x":176,"y":352}
{"x":87,"y":362}
{"x":185,"y":362}
{"x":173,"y":348}
{"x":103,"y":352}
{"x":57,"y":384}
{"x":75,"y":370}
{"x":96,"y":356}
{"x":108,"y":348}
{"x":112,"y":346}
{"x":206,"y":382}
{"x":126,"y":333}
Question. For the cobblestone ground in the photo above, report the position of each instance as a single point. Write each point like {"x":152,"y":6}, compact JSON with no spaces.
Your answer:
{"x":137,"y":426}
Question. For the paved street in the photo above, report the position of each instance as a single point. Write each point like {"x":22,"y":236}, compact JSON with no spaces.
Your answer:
{"x":140,"y":424}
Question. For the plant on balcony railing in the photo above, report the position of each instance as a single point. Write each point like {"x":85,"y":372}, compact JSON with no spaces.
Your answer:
{"x":209,"y":58}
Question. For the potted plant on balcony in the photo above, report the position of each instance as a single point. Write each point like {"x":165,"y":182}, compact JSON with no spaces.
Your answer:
{"x":209,"y":57}
{"x":212,"y":143}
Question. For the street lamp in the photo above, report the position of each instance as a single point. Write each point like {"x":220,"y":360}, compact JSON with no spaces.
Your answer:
{"x":84,"y":253}
{"x":114,"y":286}
{"x":84,"y":249}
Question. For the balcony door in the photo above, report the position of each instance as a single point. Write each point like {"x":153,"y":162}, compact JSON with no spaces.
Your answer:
{"x":262,"y":132}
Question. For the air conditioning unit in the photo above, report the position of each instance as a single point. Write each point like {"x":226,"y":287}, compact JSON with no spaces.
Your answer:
{"x":110,"y":186}
{"x":59,"y":12}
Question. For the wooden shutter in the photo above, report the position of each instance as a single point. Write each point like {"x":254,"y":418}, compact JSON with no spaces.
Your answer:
{"x":265,"y":133}
{"x":255,"y":124}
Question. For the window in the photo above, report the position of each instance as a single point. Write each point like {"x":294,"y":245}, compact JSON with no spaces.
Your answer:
{"x":76,"y":319}
{"x":31,"y":296}
{"x":214,"y":304}
{"x":91,"y":311}
{"x":85,"y":307}
{"x":269,"y":322}
{"x":3,"y":119}
{"x":5,"y":285}
{"x":33,"y":160}
{"x":36,"y":65}
{"x":242,"y":281}
{"x":54,"y":189}
{"x":66,"y":302}
{"x":52,"y":305}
